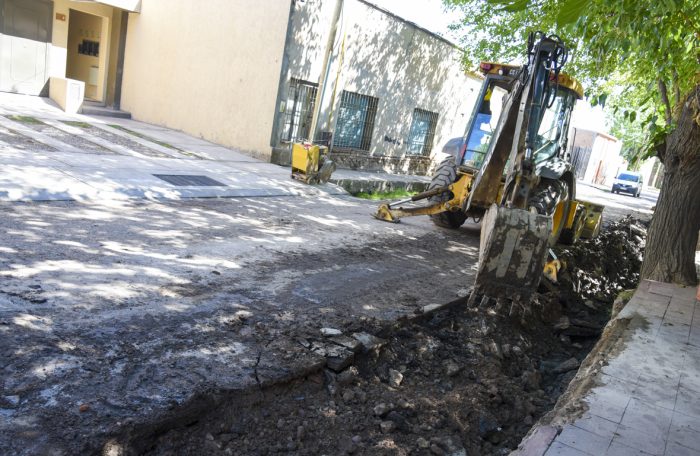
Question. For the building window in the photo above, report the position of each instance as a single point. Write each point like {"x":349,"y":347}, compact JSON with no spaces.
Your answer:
{"x":420,"y":138}
{"x":355,"y":121}
{"x":299,"y":110}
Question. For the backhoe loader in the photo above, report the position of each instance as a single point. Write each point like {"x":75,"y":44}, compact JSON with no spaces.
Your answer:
{"x":512,"y":173}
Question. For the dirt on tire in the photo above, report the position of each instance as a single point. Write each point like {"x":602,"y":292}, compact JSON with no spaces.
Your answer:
{"x":446,"y":174}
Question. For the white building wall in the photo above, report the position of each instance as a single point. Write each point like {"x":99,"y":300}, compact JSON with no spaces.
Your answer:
{"x":605,"y":162}
{"x":380,"y":55}
{"x":647,"y":169}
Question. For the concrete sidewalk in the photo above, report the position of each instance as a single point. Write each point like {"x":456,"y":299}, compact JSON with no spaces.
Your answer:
{"x":48,"y":155}
{"x":640,"y":395}
{"x":364,"y":181}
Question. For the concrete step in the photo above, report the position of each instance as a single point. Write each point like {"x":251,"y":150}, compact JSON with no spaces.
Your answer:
{"x":371,"y":182}
{"x":94,"y":110}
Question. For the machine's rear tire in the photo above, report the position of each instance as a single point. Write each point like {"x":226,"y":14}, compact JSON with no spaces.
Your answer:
{"x":446,"y":174}
{"x":552,"y":198}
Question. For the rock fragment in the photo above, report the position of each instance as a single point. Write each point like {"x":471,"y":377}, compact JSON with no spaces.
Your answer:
{"x":395,"y":378}
{"x":452,"y":368}
{"x":422,"y":443}
{"x":562,"y":324}
{"x":330,"y":332}
{"x":568,"y":365}
{"x":368,"y":341}
{"x":348,"y":342}
{"x":387,"y":426}
{"x":382,"y":409}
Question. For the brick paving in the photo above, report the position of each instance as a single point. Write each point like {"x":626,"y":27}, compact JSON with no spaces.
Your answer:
{"x":648,"y":401}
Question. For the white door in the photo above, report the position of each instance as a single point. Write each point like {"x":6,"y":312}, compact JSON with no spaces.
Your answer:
{"x":25,"y":37}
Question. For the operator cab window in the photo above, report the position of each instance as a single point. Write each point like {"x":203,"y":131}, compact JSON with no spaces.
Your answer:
{"x":484,"y":125}
{"x":550,"y":132}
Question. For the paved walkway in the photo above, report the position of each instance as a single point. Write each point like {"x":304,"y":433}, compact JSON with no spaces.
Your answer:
{"x":46,"y":154}
{"x":647,"y":398}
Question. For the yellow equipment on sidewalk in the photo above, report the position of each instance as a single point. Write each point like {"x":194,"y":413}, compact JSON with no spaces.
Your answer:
{"x":311,"y":164}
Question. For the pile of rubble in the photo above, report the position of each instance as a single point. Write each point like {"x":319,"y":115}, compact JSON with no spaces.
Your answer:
{"x":458,"y":381}
{"x":600,"y":268}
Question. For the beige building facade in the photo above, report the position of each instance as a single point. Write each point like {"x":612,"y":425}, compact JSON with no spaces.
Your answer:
{"x":41,"y":39}
{"x":209,"y":68}
{"x":249,"y":74}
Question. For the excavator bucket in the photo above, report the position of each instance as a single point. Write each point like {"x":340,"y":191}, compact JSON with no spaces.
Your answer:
{"x":513,"y":250}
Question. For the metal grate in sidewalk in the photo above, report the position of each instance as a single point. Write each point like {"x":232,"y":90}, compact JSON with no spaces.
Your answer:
{"x":189,"y":180}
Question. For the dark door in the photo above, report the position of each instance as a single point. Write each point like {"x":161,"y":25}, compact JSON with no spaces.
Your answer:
{"x":25,"y":42}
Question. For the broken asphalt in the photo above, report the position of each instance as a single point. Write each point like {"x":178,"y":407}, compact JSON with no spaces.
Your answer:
{"x":122,"y":316}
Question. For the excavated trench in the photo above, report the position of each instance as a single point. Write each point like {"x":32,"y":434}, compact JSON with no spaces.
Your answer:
{"x":457,"y":381}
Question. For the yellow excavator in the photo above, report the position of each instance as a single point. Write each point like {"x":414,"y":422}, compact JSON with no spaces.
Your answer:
{"x":513,"y":174}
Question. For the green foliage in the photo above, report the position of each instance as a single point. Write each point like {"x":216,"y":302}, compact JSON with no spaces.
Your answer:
{"x":570,"y":11}
{"x":390,"y":195}
{"x":76,"y":123}
{"x":142,"y":136}
{"x":635,"y":44}
{"x":25,"y":119}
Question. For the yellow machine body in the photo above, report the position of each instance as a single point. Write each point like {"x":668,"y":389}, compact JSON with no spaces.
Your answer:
{"x":591,"y":220}
{"x":460,"y":190}
{"x":310,"y":163}
{"x":305,"y":158}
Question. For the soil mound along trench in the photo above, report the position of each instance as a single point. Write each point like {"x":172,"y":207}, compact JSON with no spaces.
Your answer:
{"x":459,"y":381}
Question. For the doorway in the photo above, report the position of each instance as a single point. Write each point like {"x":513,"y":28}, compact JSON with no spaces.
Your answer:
{"x":87,"y":45}
{"x":25,"y":42}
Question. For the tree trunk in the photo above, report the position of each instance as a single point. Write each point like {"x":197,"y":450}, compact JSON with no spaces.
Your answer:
{"x":673,"y":234}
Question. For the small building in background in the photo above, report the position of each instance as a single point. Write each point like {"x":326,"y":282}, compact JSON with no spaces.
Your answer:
{"x":653,"y":172}
{"x":596,"y":156}
{"x":391,"y":93}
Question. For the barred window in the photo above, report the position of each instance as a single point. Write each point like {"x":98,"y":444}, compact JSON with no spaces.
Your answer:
{"x":299,"y":110}
{"x":422,"y":133}
{"x":355,"y":121}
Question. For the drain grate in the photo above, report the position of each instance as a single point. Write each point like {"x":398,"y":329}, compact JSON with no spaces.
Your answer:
{"x":185,"y":180}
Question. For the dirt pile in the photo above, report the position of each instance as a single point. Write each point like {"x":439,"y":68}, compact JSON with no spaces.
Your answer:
{"x":460,"y":381}
{"x":600,"y":268}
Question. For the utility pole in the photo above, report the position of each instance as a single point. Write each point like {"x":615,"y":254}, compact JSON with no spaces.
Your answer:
{"x":323,"y":77}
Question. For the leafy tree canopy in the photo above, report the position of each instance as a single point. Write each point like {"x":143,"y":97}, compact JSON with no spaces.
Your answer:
{"x":640,"y":57}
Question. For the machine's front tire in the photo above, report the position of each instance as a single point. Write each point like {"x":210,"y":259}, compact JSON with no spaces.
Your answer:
{"x":552,"y":198}
{"x":446,"y":174}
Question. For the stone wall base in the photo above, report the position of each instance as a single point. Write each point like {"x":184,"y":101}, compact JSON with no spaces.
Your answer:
{"x":418,"y":165}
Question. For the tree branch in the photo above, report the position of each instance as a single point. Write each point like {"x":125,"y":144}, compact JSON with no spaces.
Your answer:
{"x":676,"y":89}
{"x":663,"y":91}
{"x":661,"y":152}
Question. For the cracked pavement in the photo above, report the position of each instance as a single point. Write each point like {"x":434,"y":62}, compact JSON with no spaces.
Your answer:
{"x":119,"y":316}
